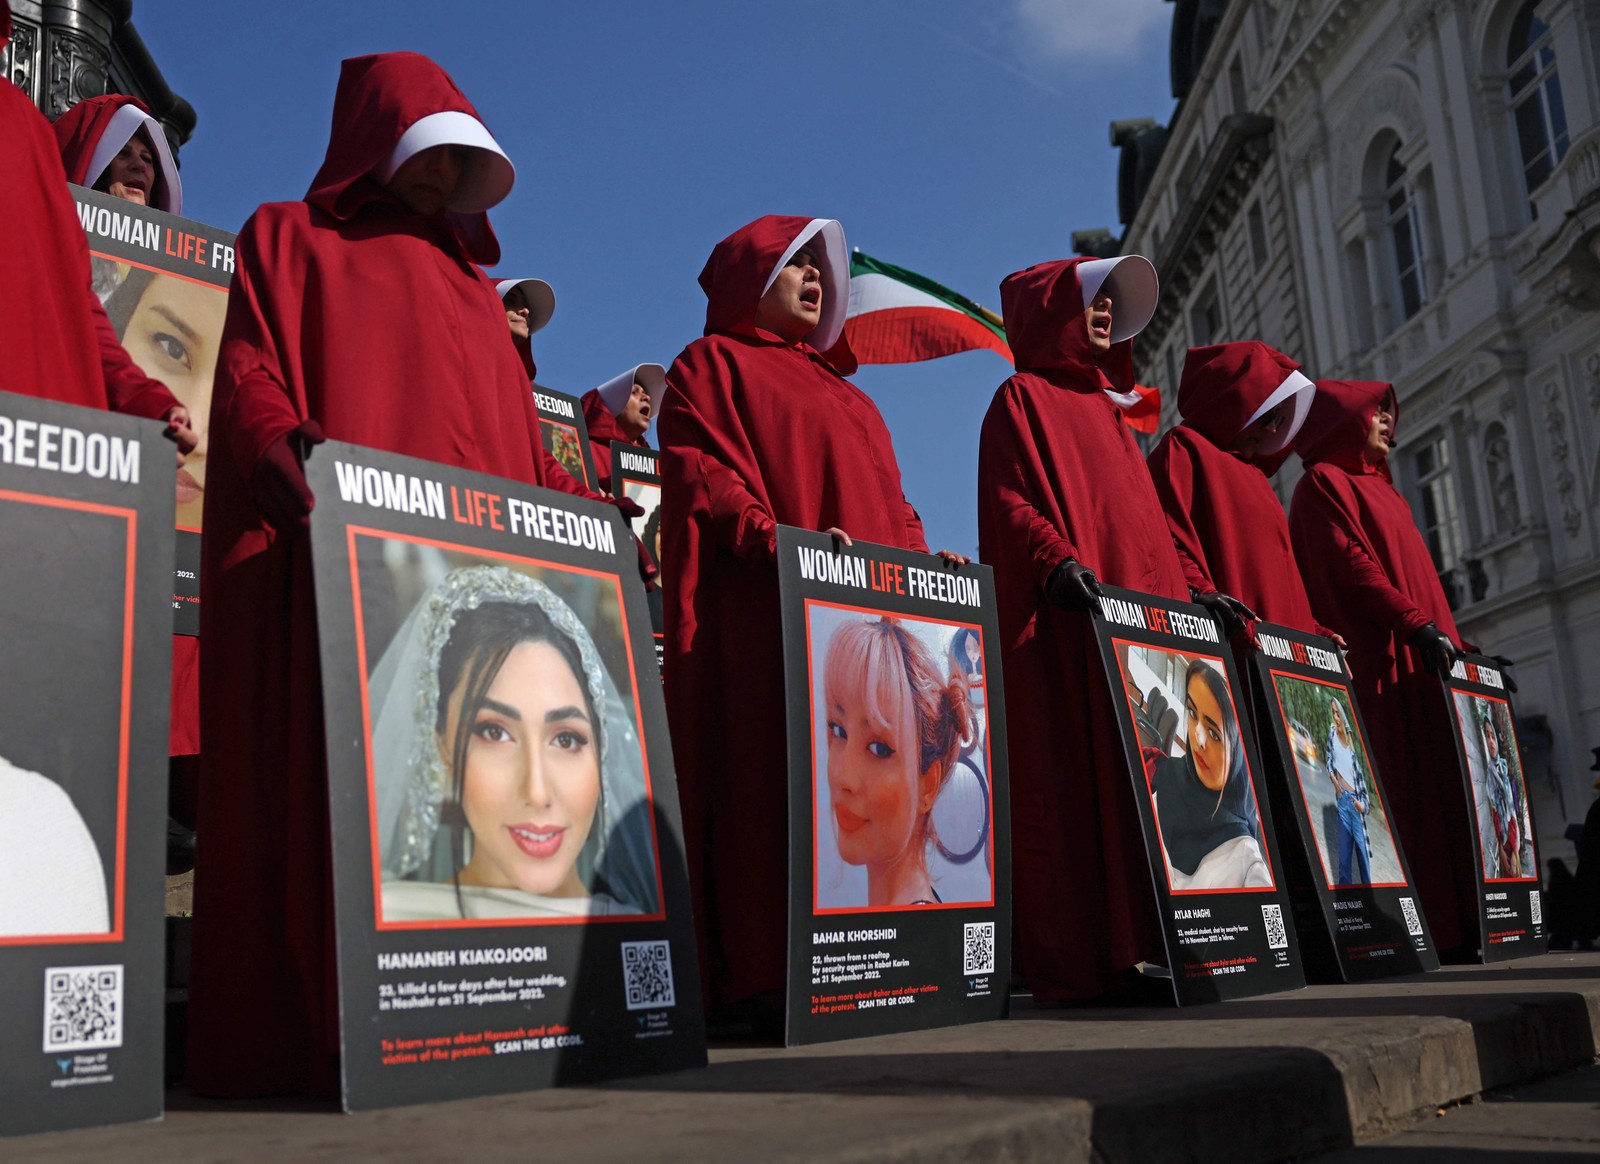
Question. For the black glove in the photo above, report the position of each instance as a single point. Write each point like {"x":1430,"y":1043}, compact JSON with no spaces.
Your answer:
{"x":1505,"y":672}
{"x":1234,"y":614}
{"x":627,"y":506}
{"x":1437,"y":651}
{"x":1073,"y":586}
{"x":278,"y":482}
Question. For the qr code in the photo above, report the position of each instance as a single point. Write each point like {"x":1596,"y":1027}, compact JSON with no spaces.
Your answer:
{"x":977,"y":948}
{"x":82,"y":1008}
{"x":647,"y":974}
{"x":1408,"y":908}
{"x":1277,"y":936}
{"x":1535,"y":909}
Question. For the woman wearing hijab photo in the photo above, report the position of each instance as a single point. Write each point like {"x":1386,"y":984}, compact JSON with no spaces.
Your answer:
{"x":1351,"y":798}
{"x":508,"y":770}
{"x":759,"y":428}
{"x":1498,"y":790}
{"x":1204,"y":800}
{"x":894,"y":726}
{"x":401,"y":198}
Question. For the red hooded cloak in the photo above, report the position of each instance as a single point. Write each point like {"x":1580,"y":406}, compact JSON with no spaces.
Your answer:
{"x":603,"y":429}
{"x":47,"y":331}
{"x":1370,"y":577}
{"x":755,"y":432}
{"x":437,"y":381}
{"x":1060,"y":476}
{"x":1228,"y":525}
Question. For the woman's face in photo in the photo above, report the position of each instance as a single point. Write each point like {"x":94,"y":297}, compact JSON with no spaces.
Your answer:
{"x":1208,"y":742}
{"x":532,"y":778}
{"x":1491,"y":742}
{"x":872,"y":772}
{"x":172,"y":336}
{"x":1340,"y":725}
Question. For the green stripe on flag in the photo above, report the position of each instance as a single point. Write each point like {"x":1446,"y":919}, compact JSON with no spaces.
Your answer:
{"x":864,"y":264}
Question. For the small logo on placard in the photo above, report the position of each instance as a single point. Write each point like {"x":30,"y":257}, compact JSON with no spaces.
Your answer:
{"x":1408,"y":910}
{"x":82,"y":1008}
{"x":647,"y":975}
{"x":1277,"y":935}
{"x":977,"y":948}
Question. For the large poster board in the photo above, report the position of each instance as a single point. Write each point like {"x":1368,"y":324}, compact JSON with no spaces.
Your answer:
{"x":636,"y":474}
{"x":511,"y":901}
{"x":565,"y":433}
{"x":164,"y":283}
{"x":899,"y":811}
{"x":1219,"y":883}
{"x":1357,"y":883}
{"x":86,"y":522}
{"x":1510,"y":911}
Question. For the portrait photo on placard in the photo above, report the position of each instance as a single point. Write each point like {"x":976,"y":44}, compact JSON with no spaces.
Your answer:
{"x":561,"y":441}
{"x":171,"y":327}
{"x":65,"y":638}
{"x":1334,"y":769}
{"x":1499,"y":793}
{"x":647,"y":526}
{"x":903,"y":809}
{"x":1185,"y":718}
{"x":508,"y":776}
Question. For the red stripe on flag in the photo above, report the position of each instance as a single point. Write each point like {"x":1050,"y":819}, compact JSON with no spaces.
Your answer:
{"x":1145,"y":415}
{"x":904,"y":335}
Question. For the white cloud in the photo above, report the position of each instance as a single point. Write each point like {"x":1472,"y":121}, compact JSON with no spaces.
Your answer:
{"x":1088,"y":31}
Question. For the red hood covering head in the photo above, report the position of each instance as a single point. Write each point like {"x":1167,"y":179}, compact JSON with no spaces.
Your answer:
{"x":743,"y":265}
{"x":93,"y":131}
{"x":389,"y":106}
{"x":1227,"y":387}
{"x":1336,"y":429}
{"x":1043,"y":307}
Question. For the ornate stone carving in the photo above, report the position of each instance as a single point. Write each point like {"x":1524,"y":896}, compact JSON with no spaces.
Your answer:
{"x":1502,"y":478}
{"x":1592,"y":367}
{"x":18,"y":57}
{"x":1389,"y":101}
{"x":77,"y":68}
{"x":1555,"y":427}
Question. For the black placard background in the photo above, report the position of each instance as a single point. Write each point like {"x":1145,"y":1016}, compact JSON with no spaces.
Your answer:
{"x":617,"y":1041}
{"x":1506,"y":926}
{"x":930,"y":939}
{"x":1357,"y":933}
{"x":70,"y":632}
{"x":1243,"y":965}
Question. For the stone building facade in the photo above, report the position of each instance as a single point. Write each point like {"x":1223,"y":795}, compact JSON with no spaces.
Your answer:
{"x":1409,"y":190}
{"x":62,"y":51}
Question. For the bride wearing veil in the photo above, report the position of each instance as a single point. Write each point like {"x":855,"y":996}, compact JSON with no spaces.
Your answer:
{"x":508,"y":770}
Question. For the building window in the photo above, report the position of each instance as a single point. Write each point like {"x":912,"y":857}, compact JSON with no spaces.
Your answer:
{"x":1536,"y":108}
{"x":1257,"y":224}
{"x":1236,"y":90}
{"x":1440,"y":521}
{"x":1205,"y":320}
{"x":1404,"y":220}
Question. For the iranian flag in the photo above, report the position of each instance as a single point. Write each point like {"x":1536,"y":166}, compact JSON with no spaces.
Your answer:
{"x":897,"y":316}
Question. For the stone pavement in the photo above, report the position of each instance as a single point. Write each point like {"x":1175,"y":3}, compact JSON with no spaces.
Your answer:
{"x":1288,"y":1076}
{"x":1556,"y":1120}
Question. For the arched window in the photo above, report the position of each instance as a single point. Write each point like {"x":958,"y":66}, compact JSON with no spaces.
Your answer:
{"x":1536,"y":107}
{"x":1405,"y":233}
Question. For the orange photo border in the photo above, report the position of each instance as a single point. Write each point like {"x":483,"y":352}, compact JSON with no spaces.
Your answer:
{"x":811,"y":735}
{"x":125,"y":710}
{"x":1233,"y":702}
{"x":1366,"y":754}
{"x":375,"y":850}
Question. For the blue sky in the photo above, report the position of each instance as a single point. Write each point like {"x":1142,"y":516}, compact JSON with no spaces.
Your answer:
{"x":960,"y":140}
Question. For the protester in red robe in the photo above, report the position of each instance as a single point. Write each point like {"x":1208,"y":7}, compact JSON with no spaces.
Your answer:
{"x":529,"y":304}
{"x":760,"y":428}
{"x":621,"y":410}
{"x":47,"y":338}
{"x":1064,"y":499}
{"x":1242,"y":404}
{"x":400,"y":200}
{"x":1370,"y":577}
{"x":113,"y":145}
